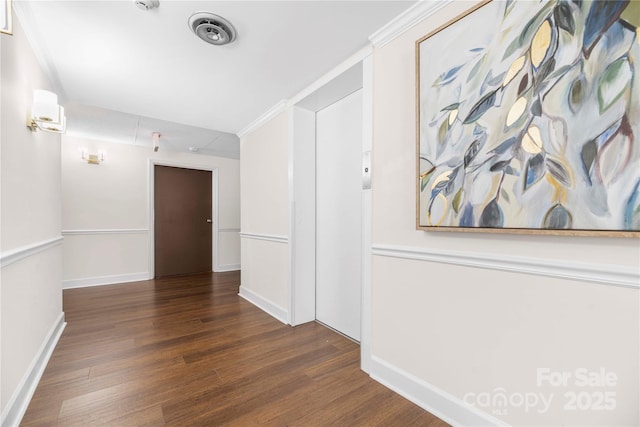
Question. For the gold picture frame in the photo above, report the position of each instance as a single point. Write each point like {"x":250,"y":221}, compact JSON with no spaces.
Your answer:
{"x":526,"y":120}
{"x":6,"y":17}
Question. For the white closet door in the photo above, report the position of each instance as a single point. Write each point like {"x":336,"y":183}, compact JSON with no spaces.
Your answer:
{"x":339,"y":215}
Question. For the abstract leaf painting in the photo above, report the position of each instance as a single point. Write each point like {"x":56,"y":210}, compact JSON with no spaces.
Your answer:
{"x":529,"y":119}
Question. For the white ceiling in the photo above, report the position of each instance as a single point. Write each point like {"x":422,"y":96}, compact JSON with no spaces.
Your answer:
{"x":121,"y":70}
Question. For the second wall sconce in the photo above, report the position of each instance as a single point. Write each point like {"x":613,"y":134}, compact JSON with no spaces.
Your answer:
{"x":45,"y":114}
{"x":92,"y":159}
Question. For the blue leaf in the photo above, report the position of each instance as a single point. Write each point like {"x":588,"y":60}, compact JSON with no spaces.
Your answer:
{"x":467,"y":220}
{"x":492,"y":215}
{"x":632,"y":210}
{"x":447,"y":76}
{"x":534,"y":170}
{"x":602,"y":15}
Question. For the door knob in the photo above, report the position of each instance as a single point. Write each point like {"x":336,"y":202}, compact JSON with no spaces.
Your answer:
{"x":209,"y":221}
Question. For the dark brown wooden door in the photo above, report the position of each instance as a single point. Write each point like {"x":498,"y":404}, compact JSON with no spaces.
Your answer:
{"x":183,"y":226}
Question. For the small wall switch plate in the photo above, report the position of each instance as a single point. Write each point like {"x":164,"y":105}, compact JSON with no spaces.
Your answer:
{"x":366,"y":170}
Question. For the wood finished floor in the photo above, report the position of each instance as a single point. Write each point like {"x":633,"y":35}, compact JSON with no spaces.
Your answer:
{"x":189,"y":351}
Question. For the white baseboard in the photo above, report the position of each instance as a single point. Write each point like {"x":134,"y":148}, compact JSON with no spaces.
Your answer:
{"x":438,"y":402}
{"x":265,"y":305}
{"x":227,"y":267}
{"x":17,"y":405}
{"x":104,"y":280}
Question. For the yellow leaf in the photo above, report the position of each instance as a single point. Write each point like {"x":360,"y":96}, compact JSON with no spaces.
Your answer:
{"x":540,"y":43}
{"x":516,"y":66}
{"x":516,"y":111}
{"x":452,"y":116}
{"x":444,"y":176}
{"x":532,"y":140}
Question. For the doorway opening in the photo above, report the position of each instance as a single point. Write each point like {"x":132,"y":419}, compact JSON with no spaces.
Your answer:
{"x":329,"y":226}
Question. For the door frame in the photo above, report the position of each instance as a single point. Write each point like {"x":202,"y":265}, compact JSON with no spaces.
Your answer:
{"x":302,"y":132}
{"x":151,"y":207}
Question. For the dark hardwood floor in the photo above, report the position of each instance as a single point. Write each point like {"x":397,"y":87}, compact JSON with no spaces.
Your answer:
{"x":189,"y":351}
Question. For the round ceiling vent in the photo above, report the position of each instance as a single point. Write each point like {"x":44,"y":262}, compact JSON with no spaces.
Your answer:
{"x":212,"y":28}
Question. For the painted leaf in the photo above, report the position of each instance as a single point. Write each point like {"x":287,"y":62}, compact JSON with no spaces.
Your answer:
{"x":588,"y":155}
{"x":492,"y":215}
{"x":453,"y":106}
{"x":559,"y":171}
{"x":514,"y":69}
{"x":632,"y":209}
{"x":451,"y":185}
{"x":504,"y":195}
{"x":527,"y":32}
{"x":457,"y":200}
{"x":534,"y":170}
{"x":517,"y":111}
{"x":471,"y":152}
{"x":505,"y":146}
{"x":453,"y":115}
{"x":614,"y":82}
{"x":557,"y":218}
{"x":508,"y":6}
{"x":477,"y":67}
{"x":576,"y":93}
{"x":602,"y":15}
{"x":499,"y":166}
{"x":442,"y":136}
{"x":426,"y":171}
{"x":541,"y":43}
{"x":616,"y":153}
{"x":481,"y":107}
{"x":524,"y":84}
{"x":467,"y":219}
{"x":536,"y":108}
{"x":437,"y":210}
{"x":544,"y":72}
{"x":441,"y":182}
{"x":447,"y":76}
{"x":564,"y":17}
{"x":532,"y":140}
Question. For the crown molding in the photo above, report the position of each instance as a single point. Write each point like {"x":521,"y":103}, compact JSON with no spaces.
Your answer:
{"x":407,"y":19}
{"x":264,"y":118}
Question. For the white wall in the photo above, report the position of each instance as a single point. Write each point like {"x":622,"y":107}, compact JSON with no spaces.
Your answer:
{"x":106,"y":211}
{"x":442,"y":330}
{"x":265,"y":221}
{"x":31,"y":315}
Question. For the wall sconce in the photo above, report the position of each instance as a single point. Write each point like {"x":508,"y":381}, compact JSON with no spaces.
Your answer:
{"x":46,"y":114}
{"x":92,"y":159}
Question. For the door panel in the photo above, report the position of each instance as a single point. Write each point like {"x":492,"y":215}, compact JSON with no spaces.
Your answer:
{"x":339,"y":215}
{"x":182,"y":208}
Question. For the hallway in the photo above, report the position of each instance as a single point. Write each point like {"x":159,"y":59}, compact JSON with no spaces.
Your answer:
{"x":188,"y":351}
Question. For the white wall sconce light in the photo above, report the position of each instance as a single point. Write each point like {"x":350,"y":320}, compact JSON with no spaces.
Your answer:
{"x":46,"y":115}
{"x":92,"y":159}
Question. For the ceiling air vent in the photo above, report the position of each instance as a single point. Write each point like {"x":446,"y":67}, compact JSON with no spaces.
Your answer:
{"x":212,"y":28}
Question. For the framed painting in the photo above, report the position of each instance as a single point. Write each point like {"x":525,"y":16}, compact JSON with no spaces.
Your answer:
{"x":5,"y":17}
{"x":528,"y":119}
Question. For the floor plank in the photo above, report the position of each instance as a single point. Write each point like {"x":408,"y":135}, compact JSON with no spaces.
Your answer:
{"x":186,"y":351}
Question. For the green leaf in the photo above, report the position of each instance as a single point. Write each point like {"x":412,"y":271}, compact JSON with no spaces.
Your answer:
{"x":613,"y":83}
{"x":457,"y":200}
{"x":564,"y":18}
